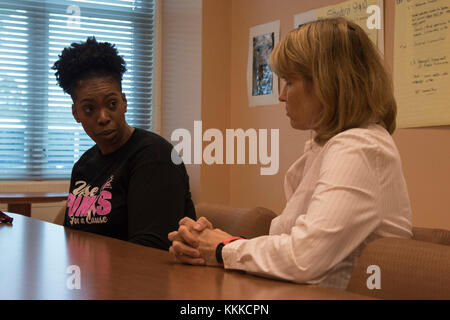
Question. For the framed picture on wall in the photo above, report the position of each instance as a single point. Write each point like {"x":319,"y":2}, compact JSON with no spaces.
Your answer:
{"x":262,"y":83}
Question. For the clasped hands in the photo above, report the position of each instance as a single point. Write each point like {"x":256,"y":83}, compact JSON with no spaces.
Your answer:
{"x":195,"y":242}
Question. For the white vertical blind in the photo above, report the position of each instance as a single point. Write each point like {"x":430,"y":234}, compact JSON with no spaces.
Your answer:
{"x":182,"y":73}
{"x":39,"y":138}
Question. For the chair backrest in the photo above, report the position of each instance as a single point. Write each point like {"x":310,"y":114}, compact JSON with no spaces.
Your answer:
{"x":439,"y":236}
{"x":245,"y":222}
{"x":409,"y":269}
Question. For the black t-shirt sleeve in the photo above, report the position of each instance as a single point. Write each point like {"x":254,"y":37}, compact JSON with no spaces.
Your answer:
{"x":158,"y":197}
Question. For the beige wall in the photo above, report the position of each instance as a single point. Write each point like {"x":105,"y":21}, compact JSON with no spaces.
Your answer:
{"x":216,"y":80}
{"x":425,"y":152}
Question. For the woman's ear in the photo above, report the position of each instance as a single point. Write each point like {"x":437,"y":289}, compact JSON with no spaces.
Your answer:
{"x":124,"y":99}
{"x":75,"y":114}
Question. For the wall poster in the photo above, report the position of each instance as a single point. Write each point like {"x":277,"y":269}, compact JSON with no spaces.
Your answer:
{"x":262,"y":83}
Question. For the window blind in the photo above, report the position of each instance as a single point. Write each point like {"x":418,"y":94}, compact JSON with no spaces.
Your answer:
{"x":39,"y":139}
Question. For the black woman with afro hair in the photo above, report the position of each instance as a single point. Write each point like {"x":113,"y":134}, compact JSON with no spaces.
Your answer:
{"x":126,"y":186}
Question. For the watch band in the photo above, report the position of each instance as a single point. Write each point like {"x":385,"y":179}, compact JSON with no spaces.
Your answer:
{"x":219,"y":252}
{"x":231,"y":239}
{"x":221,"y":245}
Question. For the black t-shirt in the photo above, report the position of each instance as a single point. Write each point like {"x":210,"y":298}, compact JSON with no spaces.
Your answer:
{"x":135,"y":194}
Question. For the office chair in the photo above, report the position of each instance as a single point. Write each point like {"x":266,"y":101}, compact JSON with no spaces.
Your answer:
{"x":409,"y":269}
{"x":245,"y":222}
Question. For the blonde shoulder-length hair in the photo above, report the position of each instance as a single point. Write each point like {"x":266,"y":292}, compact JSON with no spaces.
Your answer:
{"x":346,"y":70}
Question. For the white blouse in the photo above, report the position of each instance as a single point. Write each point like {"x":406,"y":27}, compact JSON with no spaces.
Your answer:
{"x":339,"y":197}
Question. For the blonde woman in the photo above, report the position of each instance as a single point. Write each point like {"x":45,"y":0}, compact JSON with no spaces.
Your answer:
{"x":346,"y":190}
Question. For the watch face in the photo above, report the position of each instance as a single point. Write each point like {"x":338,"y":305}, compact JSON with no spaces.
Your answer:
{"x":219,"y":252}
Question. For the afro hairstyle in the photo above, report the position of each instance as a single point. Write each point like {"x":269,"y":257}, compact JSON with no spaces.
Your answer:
{"x":88,"y":60}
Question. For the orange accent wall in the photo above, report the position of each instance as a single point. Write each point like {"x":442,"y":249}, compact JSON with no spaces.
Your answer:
{"x":216,"y":80}
{"x":425,"y":152}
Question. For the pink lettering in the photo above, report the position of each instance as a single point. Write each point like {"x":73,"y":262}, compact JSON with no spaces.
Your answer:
{"x":74,"y":203}
{"x":70,"y":201}
{"x":85,"y":205}
{"x":104,"y":206}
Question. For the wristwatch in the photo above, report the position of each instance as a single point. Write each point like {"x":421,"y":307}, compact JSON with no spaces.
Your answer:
{"x":221,"y":245}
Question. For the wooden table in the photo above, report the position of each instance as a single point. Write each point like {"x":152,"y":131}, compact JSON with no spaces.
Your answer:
{"x":35,"y":256}
{"x":21,"y":202}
